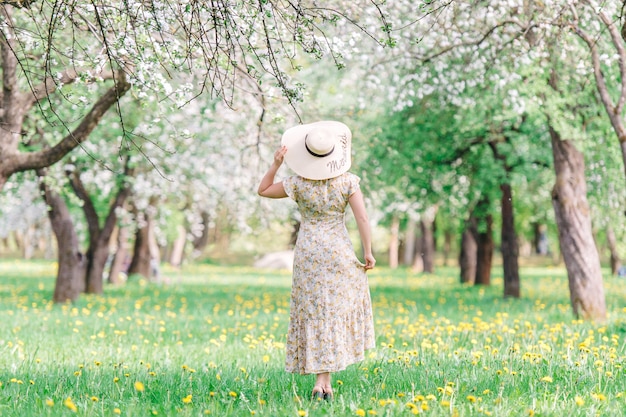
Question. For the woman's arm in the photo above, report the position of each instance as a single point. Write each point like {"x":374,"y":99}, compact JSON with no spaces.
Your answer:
{"x":267,"y":187}
{"x":358,"y":208}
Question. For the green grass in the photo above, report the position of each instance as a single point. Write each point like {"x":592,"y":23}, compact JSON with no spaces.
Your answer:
{"x":211,"y":342}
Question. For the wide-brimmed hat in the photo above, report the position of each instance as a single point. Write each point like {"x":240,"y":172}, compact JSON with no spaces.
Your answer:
{"x":319,"y":150}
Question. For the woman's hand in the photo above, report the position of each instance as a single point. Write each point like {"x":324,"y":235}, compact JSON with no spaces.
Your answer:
{"x":279,"y":156}
{"x":370,"y":261}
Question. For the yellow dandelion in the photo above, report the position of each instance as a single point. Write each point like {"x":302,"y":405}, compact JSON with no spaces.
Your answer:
{"x":599,"y":397}
{"x":339,"y":382}
{"x":206,"y":412}
{"x":50,"y":402}
{"x":116,"y":379}
{"x":232,"y":394}
{"x":445,"y":403}
{"x":187,"y":399}
{"x":117,"y":411}
{"x":266,"y":358}
{"x":360,"y":412}
{"x":97,"y":363}
{"x":77,"y":373}
{"x":70,"y":404}
{"x":372,"y":413}
{"x":94,"y":399}
{"x":546,"y":379}
{"x":531,"y":412}
{"x":471,"y":398}
{"x":579,"y":401}
{"x":302,"y":413}
{"x":139,"y":386}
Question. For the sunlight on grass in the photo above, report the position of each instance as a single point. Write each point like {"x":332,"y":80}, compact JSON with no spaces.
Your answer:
{"x":209,"y":340}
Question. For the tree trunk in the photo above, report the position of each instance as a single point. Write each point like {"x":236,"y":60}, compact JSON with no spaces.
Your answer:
{"x":428,"y":244}
{"x":418,"y":261}
{"x":510,"y":249}
{"x":178,"y":249}
{"x":294,"y":234}
{"x":200,"y":242}
{"x":612,"y":243}
{"x":447,"y":246}
{"x":484,"y":244}
{"x":120,"y":259}
{"x":70,"y":280}
{"x":99,"y":237}
{"x":140,"y":264}
{"x":394,"y":242}
{"x":569,"y":199}
{"x":469,"y":249}
{"x":409,"y":242}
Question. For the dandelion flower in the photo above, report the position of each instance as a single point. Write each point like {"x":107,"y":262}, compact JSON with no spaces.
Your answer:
{"x":117,"y":411}
{"x":50,"y":402}
{"x":471,"y":398}
{"x":94,"y":399}
{"x":579,"y":401}
{"x":187,"y":399}
{"x":546,"y":379}
{"x":360,"y":412}
{"x":139,"y":386}
{"x":233,"y":394}
{"x":302,"y":413}
{"x":70,"y":404}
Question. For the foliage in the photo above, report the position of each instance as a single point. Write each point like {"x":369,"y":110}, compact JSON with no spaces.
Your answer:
{"x":211,"y":340}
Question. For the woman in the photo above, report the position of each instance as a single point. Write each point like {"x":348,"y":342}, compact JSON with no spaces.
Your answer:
{"x":330,"y":323}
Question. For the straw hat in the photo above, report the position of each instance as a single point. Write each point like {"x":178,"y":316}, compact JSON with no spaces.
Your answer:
{"x":319,"y":150}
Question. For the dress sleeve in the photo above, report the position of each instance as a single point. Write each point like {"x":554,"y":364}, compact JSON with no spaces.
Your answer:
{"x":353,"y":184}
{"x":289,"y":184}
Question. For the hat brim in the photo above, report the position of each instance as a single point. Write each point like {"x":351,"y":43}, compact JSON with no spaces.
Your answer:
{"x":313,"y":167}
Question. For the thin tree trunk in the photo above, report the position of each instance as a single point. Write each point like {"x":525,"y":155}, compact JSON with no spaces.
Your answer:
{"x":394,"y":242}
{"x":178,"y":249}
{"x":428,"y":244}
{"x":569,"y":199}
{"x":409,"y":242}
{"x":484,"y":244}
{"x":120,"y":259}
{"x":612,"y":243}
{"x":418,"y":260}
{"x":510,"y":248}
{"x":140,"y":263}
{"x":469,"y":248}
{"x":447,"y":246}
{"x":70,"y":280}
{"x":200,"y":242}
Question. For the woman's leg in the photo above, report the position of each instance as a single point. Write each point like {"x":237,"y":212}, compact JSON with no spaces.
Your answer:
{"x":323,"y":385}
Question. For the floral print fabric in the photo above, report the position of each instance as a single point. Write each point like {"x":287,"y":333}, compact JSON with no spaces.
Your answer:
{"x":331,"y":323}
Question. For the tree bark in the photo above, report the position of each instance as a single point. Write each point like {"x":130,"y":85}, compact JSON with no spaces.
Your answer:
{"x":569,"y":199}
{"x":120,"y":259}
{"x":409,"y":242}
{"x":484,"y":244}
{"x":99,"y":237}
{"x":71,"y":266}
{"x":200,"y":242}
{"x":178,"y":249}
{"x":468,"y":254}
{"x":612,"y":244}
{"x":394,"y":242}
{"x":509,"y":244}
{"x":428,"y":244}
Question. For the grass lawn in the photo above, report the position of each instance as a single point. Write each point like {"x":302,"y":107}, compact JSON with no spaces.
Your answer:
{"x":210,"y":341}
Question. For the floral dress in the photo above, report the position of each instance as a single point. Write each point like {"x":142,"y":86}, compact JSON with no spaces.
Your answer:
{"x":331,"y":323}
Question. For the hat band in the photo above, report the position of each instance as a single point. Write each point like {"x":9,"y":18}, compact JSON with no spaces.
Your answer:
{"x":317,"y":154}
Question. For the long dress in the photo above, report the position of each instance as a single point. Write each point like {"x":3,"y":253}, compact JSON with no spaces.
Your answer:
{"x":330,"y":321}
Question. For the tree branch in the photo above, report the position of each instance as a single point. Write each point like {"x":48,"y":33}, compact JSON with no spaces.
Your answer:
{"x":47,"y":157}
{"x":617,"y":42}
{"x":50,"y":84}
